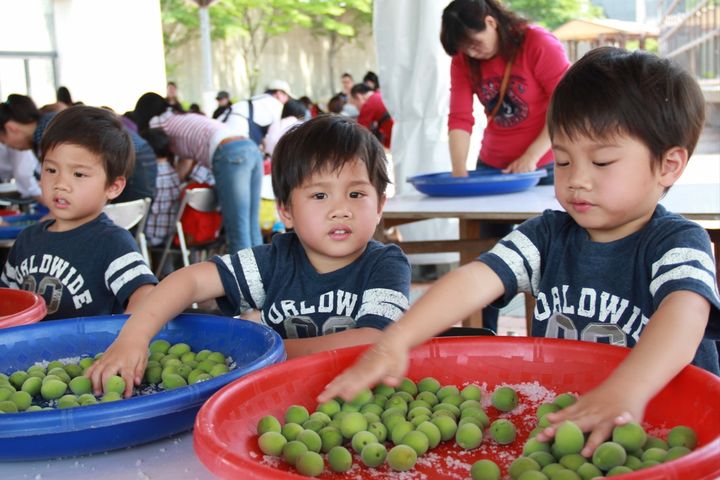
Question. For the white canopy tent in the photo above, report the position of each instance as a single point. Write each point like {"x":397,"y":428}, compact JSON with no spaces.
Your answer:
{"x":414,"y":73}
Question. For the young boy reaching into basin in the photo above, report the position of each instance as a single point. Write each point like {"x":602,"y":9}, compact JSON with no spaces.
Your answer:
{"x":80,"y":262}
{"x":616,"y":267}
{"x":325,"y":285}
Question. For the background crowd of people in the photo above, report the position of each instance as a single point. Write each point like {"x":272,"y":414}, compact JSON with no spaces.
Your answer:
{"x":176,"y":144}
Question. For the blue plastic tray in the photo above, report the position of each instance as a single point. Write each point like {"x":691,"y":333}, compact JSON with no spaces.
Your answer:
{"x":485,"y":182}
{"x":108,"y":426}
{"x":16,"y":223}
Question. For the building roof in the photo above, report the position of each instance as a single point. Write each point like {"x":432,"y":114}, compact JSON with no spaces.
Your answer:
{"x":596,"y":28}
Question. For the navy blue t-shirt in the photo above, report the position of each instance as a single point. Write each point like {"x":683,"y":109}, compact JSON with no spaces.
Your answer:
{"x":299,"y":302}
{"x":90,"y":270}
{"x":607,"y":292}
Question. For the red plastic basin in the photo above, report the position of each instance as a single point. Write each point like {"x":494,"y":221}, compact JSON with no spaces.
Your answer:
{"x":225,"y":436}
{"x":20,"y":307}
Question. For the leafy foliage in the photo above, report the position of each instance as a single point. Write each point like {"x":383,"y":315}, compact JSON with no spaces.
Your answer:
{"x":250,"y":24}
{"x":553,"y":13}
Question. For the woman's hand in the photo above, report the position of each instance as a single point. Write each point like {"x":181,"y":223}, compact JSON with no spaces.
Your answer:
{"x":127,"y":358}
{"x":597,"y":412}
{"x":382,"y":362}
{"x":523,"y":164}
{"x":459,"y":171}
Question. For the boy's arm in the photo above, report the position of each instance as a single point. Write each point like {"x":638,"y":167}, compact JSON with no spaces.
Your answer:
{"x":127,"y":356}
{"x":136,"y":297}
{"x":666,"y":346}
{"x":297,"y":347}
{"x":452,"y":298}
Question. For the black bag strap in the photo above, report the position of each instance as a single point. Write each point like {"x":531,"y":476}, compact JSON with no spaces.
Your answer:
{"x":383,"y":119}
{"x":226,"y":114}
{"x":250,"y":110}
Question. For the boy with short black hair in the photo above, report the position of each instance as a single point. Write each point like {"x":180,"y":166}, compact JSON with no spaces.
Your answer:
{"x":616,"y":267}
{"x":166,"y":203}
{"x":325,"y":285}
{"x":80,"y":261}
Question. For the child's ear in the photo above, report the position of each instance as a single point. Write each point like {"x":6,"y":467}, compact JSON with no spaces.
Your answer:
{"x":673,"y":165}
{"x":381,"y":205}
{"x":115,"y":188}
{"x":285,"y":214}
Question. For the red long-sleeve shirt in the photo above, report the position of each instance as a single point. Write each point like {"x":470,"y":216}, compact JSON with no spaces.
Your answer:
{"x":538,"y":67}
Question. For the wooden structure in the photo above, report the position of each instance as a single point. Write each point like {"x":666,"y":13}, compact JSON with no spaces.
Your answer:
{"x":580,"y":36}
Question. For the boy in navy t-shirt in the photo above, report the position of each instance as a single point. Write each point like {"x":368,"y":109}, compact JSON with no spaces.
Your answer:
{"x":615,"y":267}
{"x":80,"y":262}
{"x":325,"y":285}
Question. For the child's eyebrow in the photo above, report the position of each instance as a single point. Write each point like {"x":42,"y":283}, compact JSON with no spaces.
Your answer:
{"x":594,"y":147}
{"x":325,"y":184}
{"x":70,"y":164}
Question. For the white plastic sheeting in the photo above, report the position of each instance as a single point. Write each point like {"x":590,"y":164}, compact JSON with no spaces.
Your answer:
{"x":414,"y":74}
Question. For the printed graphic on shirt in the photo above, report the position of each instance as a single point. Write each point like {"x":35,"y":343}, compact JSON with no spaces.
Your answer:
{"x":305,"y":327}
{"x":608,"y":299}
{"x":514,"y":109}
{"x":333,"y":311}
{"x":54,"y":278}
{"x":592,"y":316}
{"x":335,"y":302}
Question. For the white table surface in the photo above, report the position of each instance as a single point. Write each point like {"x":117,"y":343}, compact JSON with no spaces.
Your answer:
{"x":696,"y":202}
{"x":168,"y":459}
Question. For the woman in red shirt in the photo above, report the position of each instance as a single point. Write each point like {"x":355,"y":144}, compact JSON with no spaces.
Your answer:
{"x":513,"y":68}
{"x":494,"y":50}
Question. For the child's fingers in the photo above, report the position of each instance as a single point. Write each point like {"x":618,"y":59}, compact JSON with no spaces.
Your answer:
{"x":599,"y":434}
{"x":139,"y":372}
{"x":128,"y":374}
{"x":95,"y":373}
{"x":546,"y":434}
{"x":365,"y":373}
{"x":349,"y":384}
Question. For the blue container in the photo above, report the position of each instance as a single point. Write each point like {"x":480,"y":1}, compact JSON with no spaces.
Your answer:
{"x":107,"y":426}
{"x":15,"y":224}
{"x":478,"y":182}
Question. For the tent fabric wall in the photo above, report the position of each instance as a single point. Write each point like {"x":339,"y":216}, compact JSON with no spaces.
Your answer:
{"x":414,"y":74}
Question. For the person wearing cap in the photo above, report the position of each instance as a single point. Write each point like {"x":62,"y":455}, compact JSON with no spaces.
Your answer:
{"x":224,"y":104}
{"x":253,"y":117}
{"x":280,"y":90}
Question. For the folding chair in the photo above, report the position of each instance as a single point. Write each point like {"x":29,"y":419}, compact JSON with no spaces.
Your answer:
{"x":129,"y":215}
{"x":202,"y":199}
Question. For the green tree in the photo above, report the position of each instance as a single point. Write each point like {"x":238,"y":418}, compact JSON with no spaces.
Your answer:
{"x":180,"y":23}
{"x":553,"y":13}
{"x":250,"y":24}
{"x":340,"y":21}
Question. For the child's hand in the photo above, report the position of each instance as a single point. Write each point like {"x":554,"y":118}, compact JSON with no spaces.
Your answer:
{"x":598,"y":412}
{"x":125,"y":358}
{"x":380,"y":363}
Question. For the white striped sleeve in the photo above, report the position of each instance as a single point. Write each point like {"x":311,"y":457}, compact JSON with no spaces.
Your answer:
{"x":684,"y":264}
{"x":524,"y":252}
{"x":125,"y":269}
{"x":252,"y":276}
{"x":383,"y":302}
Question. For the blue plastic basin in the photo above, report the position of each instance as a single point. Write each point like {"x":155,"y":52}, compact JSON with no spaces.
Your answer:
{"x":107,"y":426}
{"x":478,"y":182}
{"x":15,"y":224}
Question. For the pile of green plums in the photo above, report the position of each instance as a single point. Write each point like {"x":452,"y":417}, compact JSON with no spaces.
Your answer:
{"x":395,"y":426}
{"x":385,"y":425}
{"x":630,"y":449}
{"x":64,"y":385}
